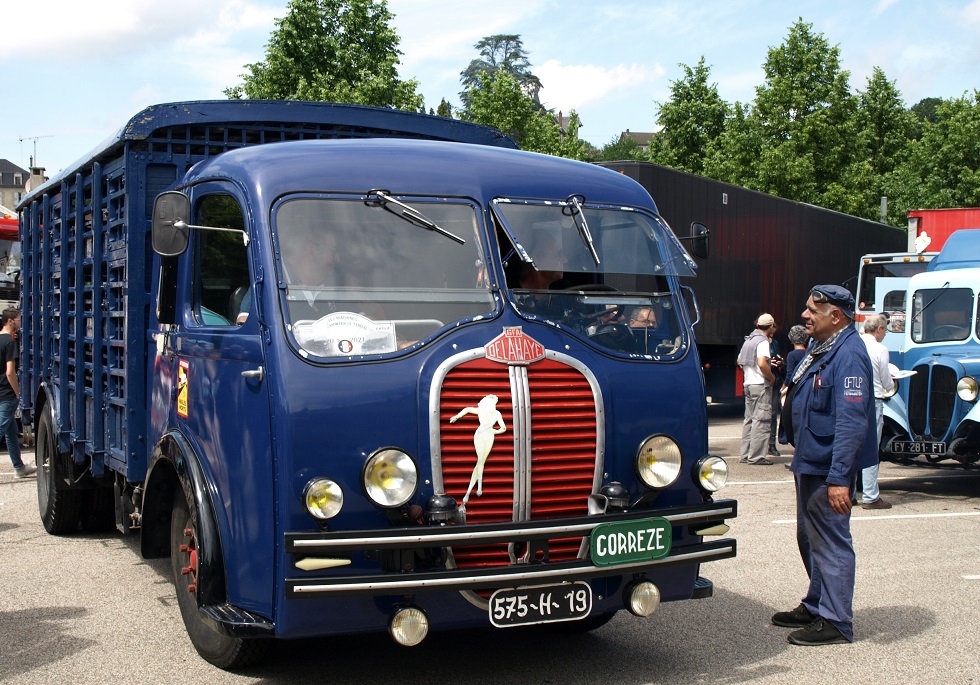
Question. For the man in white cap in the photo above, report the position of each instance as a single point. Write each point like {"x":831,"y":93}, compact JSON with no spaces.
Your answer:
{"x":758,"y":381}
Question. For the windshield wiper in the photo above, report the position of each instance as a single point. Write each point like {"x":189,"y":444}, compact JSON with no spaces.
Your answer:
{"x":408,"y":213}
{"x":575,"y":210}
{"x":942,"y":291}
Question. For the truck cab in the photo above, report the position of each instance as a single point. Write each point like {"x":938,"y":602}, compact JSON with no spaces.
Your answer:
{"x":942,"y":352}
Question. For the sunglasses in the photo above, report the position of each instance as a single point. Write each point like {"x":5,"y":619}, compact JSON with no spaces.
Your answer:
{"x":821,"y":298}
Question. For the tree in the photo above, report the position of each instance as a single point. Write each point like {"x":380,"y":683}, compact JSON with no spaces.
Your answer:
{"x":925,"y":111}
{"x":805,"y":112}
{"x":500,"y":53}
{"x":621,"y":148}
{"x":943,"y":168}
{"x":332,"y":51}
{"x":690,"y":121}
{"x":444,"y":109}
{"x":500,"y":101}
{"x":733,"y":157}
{"x":885,"y":130}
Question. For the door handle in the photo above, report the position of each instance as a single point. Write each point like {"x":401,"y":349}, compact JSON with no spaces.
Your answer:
{"x":257,"y":374}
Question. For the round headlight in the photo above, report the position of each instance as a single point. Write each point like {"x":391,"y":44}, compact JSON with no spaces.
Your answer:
{"x":390,"y":477}
{"x":659,"y":461}
{"x":712,"y":473}
{"x":968,"y":389}
{"x":323,"y":498}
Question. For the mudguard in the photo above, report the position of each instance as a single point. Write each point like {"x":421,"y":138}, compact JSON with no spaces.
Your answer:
{"x":174,"y":464}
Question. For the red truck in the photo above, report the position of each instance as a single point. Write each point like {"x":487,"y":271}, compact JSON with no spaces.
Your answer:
{"x":934,"y":226}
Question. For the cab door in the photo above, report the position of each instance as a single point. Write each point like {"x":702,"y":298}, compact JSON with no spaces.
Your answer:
{"x":222,"y":400}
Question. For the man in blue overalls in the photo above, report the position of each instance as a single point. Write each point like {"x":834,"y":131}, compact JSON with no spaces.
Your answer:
{"x":830,"y":419}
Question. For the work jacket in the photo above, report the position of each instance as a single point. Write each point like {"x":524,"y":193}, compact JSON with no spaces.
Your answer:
{"x":833,"y":412}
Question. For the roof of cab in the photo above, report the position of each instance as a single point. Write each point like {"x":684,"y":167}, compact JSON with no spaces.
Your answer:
{"x":417,"y":167}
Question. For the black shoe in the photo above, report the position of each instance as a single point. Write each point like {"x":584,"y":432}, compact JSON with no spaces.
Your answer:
{"x":820,"y":632}
{"x":797,"y":618}
{"x":773,"y":452}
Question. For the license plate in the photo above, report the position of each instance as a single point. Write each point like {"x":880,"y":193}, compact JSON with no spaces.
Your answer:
{"x":918,"y":447}
{"x":524,"y":606}
{"x":630,"y":541}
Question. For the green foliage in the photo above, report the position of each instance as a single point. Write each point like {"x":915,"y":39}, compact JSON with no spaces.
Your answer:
{"x":621,"y":148}
{"x":332,"y":51}
{"x":692,"y":118}
{"x":500,"y":101}
{"x":444,"y":109}
{"x":943,"y":168}
{"x":504,"y":53}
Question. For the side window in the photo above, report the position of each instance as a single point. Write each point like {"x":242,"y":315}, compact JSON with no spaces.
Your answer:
{"x":221,"y":281}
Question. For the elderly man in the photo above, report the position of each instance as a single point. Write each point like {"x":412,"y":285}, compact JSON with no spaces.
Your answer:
{"x":875,"y":328}
{"x":829,"y":418}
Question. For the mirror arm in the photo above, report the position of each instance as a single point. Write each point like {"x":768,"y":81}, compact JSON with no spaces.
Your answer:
{"x":180,"y":224}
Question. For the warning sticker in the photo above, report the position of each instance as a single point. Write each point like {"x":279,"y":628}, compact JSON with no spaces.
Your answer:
{"x":182,"y":388}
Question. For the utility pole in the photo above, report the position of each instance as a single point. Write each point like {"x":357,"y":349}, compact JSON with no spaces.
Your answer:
{"x":34,"y":139}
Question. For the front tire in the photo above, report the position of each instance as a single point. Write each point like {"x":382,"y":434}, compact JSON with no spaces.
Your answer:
{"x":221,"y":650}
{"x":59,"y":509}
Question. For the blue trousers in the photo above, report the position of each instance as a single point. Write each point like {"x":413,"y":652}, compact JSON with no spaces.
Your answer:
{"x":8,"y":428}
{"x":827,"y":549}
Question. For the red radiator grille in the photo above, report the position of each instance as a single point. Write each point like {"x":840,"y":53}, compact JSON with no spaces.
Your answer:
{"x":563,"y":447}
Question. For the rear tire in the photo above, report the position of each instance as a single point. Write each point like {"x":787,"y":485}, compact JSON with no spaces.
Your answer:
{"x":59,"y":509}
{"x":221,"y":650}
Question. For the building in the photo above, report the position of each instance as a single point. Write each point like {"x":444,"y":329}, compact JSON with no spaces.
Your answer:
{"x":13,"y":183}
{"x":642,"y":140}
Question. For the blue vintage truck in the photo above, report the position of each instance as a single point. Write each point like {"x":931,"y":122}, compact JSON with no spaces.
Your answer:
{"x":356,"y":369}
{"x":935,"y":416}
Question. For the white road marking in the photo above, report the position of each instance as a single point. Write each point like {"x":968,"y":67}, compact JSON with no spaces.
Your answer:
{"x":898,"y":516}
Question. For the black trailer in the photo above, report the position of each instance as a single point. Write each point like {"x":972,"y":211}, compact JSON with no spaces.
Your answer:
{"x":766,"y":253}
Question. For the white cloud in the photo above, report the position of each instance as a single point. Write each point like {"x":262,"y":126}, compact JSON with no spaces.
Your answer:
{"x":567,"y":87}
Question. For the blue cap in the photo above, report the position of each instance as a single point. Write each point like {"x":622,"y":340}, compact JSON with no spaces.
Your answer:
{"x":835,"y":295}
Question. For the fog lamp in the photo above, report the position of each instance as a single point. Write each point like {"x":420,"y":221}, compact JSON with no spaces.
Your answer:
{"x":390,"y":477}
{"x":408,"y":626}
{"x":642,"y":598}
{"x":712,"y":473}
{"x":967,"y":388}
{"x":323,"y":498}
{"x":658,"y":461}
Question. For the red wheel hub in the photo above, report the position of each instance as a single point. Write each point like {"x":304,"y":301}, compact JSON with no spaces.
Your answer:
{"x":189,"y":549}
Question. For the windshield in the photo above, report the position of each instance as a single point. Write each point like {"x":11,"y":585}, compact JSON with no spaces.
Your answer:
{"x":598,"y":270}
{"x":360,"y":279}
{"x":942,"y":314}
{"x":872,"y":271}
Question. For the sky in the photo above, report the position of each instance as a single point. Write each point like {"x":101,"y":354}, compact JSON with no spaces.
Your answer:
{"x":75,"y":72}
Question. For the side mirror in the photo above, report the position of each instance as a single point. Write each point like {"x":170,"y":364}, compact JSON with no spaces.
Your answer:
{"x":699,"y":240}
{"x":170,"y":229}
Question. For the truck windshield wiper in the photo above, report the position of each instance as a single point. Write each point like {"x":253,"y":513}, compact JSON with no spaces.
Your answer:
{"x":408,"y":213}
{"x":574,"y":208}
{"x":942,"y":291}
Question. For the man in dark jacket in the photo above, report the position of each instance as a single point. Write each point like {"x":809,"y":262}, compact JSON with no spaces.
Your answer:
{"x":830,"y":419}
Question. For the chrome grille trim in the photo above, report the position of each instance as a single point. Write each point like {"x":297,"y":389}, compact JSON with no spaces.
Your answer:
{"x":449,"y":535}
{"x":507,"y":576}
{"x":435,"y":400}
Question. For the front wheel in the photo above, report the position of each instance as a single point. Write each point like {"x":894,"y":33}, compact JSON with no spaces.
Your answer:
{"x":221,"y":650}
{"x":59,"y":509}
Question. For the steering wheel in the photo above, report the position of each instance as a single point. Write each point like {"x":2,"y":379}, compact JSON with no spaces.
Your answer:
{"x":948,"y":332}
{"x":592,"y":318}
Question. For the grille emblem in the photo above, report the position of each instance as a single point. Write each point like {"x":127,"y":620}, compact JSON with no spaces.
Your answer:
{"x":491,"y":424}
{"x":514,"y":347}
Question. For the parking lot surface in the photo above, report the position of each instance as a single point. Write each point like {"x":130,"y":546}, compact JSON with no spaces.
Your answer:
{"x":88,"y":609}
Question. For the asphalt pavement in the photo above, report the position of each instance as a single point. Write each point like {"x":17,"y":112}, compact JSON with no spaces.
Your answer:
{"x":88,"y":609}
